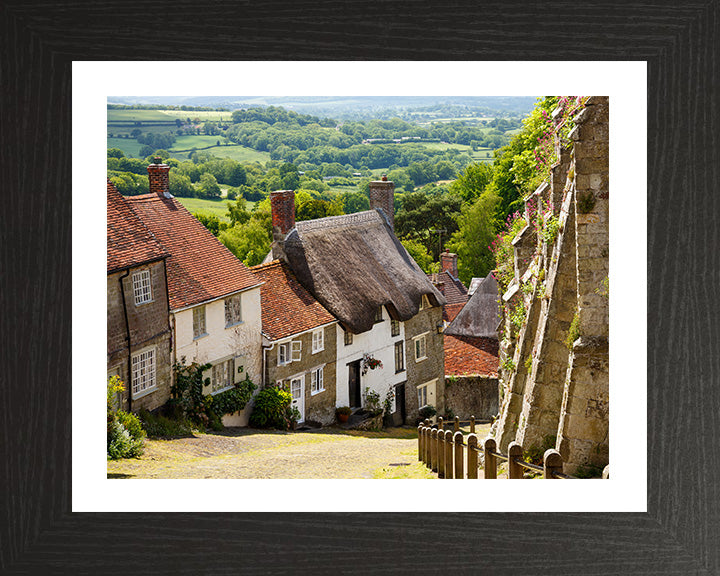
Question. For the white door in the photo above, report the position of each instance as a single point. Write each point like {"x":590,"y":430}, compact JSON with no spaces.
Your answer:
{"x":297,"y":389}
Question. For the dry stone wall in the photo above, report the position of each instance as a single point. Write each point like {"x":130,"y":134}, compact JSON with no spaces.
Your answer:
{"x":555,"y":367}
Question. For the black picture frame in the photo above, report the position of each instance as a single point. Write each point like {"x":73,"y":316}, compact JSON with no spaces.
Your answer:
{"x":680,"y":533}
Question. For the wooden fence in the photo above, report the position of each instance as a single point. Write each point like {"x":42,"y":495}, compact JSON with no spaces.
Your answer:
{"x":453,"y":455}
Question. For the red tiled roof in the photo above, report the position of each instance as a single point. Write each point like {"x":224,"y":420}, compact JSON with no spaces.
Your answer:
{"x":469,"y":356}
{"x":129,"y":242}
{"x":199,"y":268}
{"x":453,"y":290}
{"x":452,"y":310}
{"x":287,"y":308}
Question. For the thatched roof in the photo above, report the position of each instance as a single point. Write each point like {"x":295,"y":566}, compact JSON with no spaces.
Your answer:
{"x":353,"y":264}
{"x":480,"y":317}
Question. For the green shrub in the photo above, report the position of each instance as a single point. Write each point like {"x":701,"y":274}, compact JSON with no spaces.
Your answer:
{"x":131,"y":423}
{"x":427,"y":412}
{"x":121,"y":443}
{"x":573,"y":331}
{"x":159,"y":426}
{"x":270,"y":409}
{"x":588,"y":471}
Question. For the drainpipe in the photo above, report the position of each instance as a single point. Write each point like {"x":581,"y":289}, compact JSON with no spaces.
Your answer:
{"x":127,"y":331}
{"x":266,"y":349}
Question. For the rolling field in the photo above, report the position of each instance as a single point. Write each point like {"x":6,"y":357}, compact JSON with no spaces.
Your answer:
{"x":215,"y":207}
{"x":187,"y":142}
{"x":165,"y":115}
{"x":239,"y":153}
{"x":129,"y":146}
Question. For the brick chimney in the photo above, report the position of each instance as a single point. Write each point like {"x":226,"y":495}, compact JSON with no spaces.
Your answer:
{"x":282,"y":205}
{"x":382,"y":195}
{"x":158,"y":176}
{"x":448,"y":263}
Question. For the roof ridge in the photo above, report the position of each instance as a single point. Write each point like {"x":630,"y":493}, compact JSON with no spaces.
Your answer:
{"x":342,"y":219}
{"x":272,"y":263}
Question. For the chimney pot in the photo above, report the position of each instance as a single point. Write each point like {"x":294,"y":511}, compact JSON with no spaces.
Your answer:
{"x":382,"y":195}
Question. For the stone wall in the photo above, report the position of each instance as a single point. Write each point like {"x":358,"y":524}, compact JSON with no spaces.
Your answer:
{"x":149,"y":327}
{"x":553,"y":389}
{"x":469,"y":396}
{"x":432,"y":367}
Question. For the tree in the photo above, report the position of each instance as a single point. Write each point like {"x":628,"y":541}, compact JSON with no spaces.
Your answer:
{"x":418,"y":253}
{"x":209,"y":187}
{"x":476,"y":230}
{"x":115,"y":153}
{"x":473,"y":181}
{"x":180,"y":184}
{"x":210,"y":221}
{"x":250,"y":242}
{"x":237,"y":212}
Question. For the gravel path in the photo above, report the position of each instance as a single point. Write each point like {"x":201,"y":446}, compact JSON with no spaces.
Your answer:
{"x":246,"y":453}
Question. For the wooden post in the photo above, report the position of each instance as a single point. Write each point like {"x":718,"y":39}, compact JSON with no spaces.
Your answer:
{"x":456,"y":425}
{"x":472,"y":457}
{"x":515,"y":452}
{"x":552,"y":462}
{"x":472,"y":424}
{"x":440,"y":423}
{"x":421,"y":428}
{"x":489,"y":446}
{"x":459,"y":472}
{"x":428,"y":446}
{"x":449,"y":454}
{"x":441,"y":453}
{"x":606,"y":472}
{"x":433,"y":449}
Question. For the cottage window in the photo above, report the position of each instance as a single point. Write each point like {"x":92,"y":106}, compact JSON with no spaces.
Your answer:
{"x":399,"y":356}
{"x":348,"y":337}
{"x":233,"y":310}
{"x":142,"y":287}
{"x":394,"y":327}
{"x":143,"y":371}
{"x":426,"y":394}
{"x":295,"y":351}
{"x":420,"y":347}
{"x":318,"y":341}
{"x":289,"y":352}
{"x":379,"y":315}
{"x":223,"y":376}
{"x":199,"y":322}
{"x":283,"y":356}
{"x":316,"y":381}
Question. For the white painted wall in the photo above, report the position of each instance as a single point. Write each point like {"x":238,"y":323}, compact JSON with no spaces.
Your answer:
{"x":242,"y":339}
{"x":381,"y":345}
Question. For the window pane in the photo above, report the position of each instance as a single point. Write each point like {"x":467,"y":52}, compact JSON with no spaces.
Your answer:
{"x":141,"y":287}
{"x":233,"y":310}
{"x":198,"y":321}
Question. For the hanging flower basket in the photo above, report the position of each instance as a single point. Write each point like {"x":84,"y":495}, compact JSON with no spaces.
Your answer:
{"x":369,"y":363}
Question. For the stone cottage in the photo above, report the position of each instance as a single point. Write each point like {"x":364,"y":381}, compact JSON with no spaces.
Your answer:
{"x":138,"y":328}
{"x":214,"y":299}
{"x":555,"y":364}
{"x":387,"y":309}
{"x":299,"y":343}
{"x":471,"y":355}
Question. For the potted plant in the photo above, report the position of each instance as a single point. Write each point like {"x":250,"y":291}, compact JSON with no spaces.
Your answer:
{"x":343,"y":413}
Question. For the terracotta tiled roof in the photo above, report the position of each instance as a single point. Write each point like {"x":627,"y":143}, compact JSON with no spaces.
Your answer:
{"x":452,"y":310}
{"x":287,"y":308}
{"x":129,"y":242}
{"x":468,"y":356}
{"x":453,"y":290}
{"x":199,"y":268}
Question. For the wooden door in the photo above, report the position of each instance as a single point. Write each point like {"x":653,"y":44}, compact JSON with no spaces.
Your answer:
{"x":400,"y":402}
{"x":354,"y":384}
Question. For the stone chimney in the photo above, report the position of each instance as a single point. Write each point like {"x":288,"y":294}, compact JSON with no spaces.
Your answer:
{"x":448,"y":263}
{"x":282,"y":204}
{"x":382,"y":195}
{"x":158,"y":176}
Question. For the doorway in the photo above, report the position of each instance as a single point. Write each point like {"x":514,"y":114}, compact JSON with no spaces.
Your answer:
{"x":297,"y":390}
{"x":354,"y":384}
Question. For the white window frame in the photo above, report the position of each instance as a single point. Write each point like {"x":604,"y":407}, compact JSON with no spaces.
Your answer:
{"x":234,"y":302}
{"x":289,"y":352}
{"x":296,"y":351}
{"x":143,"y":379}
{"x":317,"y":381}
{"x":318,"y":340}
{"x":423,"y":395}
{"x":421,"y":340}
{"x":142,"y":287}
{"x":197,"y":311}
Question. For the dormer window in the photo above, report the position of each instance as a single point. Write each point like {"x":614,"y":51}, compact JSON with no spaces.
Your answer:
{"x":424,"y":302}
{"x":348,"y":338}
{"x":379,"y":315}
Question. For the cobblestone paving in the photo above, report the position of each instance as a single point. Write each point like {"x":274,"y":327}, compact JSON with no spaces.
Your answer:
{"x":245,"y":453}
